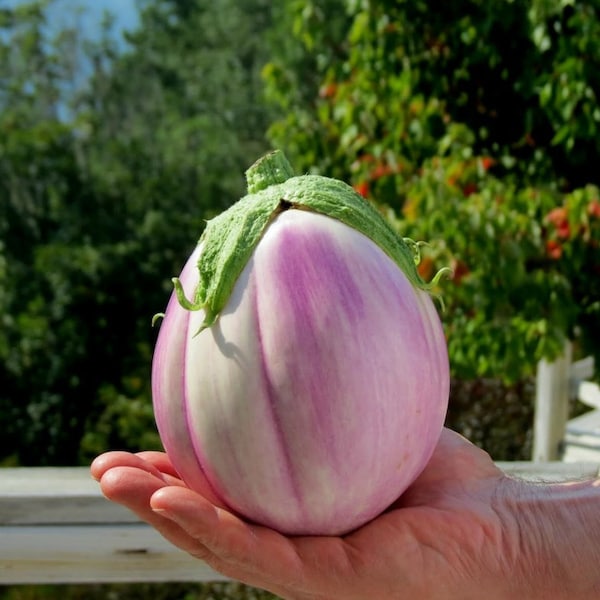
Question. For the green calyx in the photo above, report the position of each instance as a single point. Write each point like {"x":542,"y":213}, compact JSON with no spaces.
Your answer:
{"x":230,"y":238}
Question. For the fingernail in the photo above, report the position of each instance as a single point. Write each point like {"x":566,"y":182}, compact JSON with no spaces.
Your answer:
{"x":161,"y":512}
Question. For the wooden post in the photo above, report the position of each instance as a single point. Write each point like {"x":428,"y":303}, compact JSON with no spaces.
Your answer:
{"x":551,"y":407}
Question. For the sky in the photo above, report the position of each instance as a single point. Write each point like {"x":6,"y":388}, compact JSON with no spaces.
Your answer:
{"x":125,"y":12}
{"x":62,"y":13}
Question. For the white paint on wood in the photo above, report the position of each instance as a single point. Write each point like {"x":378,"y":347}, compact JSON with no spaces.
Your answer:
{"x":551,"y":407}
{"x":56,"y":527}
{"x":93,"y":553}
{"x":589,"y":393}
{"x":583,"y":368}
{"x":552,"y":472}
{"x":582,"y":439}
{"x":48,"y":495}
{"x":555,"y":436}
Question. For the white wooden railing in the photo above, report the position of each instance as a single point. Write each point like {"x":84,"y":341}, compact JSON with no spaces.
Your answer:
{"x":56,"y":527}
{"x":555,"y":436}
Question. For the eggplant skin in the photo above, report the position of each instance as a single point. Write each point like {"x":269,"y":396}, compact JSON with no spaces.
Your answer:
{"x":318,"y":395}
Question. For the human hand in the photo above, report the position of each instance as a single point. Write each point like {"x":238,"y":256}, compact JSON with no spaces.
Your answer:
{"x":453,"y":535}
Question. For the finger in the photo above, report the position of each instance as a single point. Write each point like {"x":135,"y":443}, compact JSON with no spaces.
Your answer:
{"x":132,"y":485}
{"x":452,"y":439}
{"x":250,"y":553}
{"x":133,"y":488}
{"x":467,"y":458}
{"x":199,"y":484}
{"x":150,"y":462}
{"x":110,"y":460}
{"x":160,"y":460}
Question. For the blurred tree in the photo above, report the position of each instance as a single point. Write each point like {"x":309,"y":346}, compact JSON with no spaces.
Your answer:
{"x":523,"y":76}
{"x":307,"y":40}
{"x":170,"y":126}
{"x":43,"y":198}
{"x":107,"y":186}
{"x":469,"y":123}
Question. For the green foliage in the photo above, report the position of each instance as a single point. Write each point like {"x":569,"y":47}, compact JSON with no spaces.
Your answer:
{"x":471,"y":124}
{"x":127,"y":417}
{"x":521,"y":283}
{"x":307,"y":37}
{"x":230,"y":590}
{"x":105,"y":185}
{"x":468,"y":123}
{"x":41,"y":187}
{"x":175,"y":117}
{"x":567,"y":43}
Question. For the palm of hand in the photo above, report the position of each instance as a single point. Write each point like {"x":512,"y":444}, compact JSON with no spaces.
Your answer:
{"x":441,"y":536}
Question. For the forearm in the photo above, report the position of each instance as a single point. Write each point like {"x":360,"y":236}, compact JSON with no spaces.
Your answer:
{"x":557,"y":546}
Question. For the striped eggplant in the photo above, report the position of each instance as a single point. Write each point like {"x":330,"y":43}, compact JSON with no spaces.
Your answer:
{"x":301,"y":366}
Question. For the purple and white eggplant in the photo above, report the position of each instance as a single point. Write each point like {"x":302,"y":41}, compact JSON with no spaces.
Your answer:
{"x":307,"y":378}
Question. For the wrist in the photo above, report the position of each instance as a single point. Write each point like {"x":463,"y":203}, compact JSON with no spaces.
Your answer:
{"x":553,"y":538}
